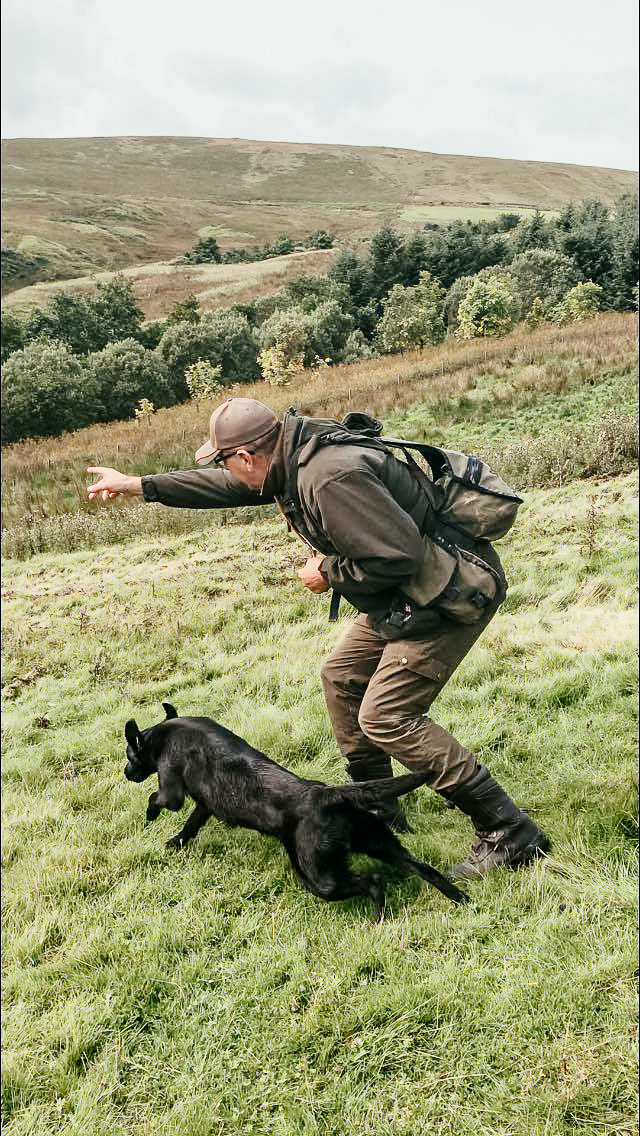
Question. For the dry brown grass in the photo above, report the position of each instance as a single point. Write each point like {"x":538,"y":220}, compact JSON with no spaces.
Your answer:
{"x":157,"y":287}
{"x":378,"y":386}
{"x":100,"y":203}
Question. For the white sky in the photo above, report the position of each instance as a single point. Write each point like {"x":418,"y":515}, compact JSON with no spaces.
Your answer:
{"x":554,"y":80}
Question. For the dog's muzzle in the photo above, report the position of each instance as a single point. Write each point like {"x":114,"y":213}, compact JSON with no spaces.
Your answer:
{"x":134,"y":773}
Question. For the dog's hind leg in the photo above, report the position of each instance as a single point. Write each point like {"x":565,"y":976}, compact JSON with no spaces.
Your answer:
{"x":325,"y":871}
{"x":191,"y":827}
{"x":372,"y":836}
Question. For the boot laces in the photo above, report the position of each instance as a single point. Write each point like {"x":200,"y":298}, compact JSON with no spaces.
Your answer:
{"x":485,"y":843}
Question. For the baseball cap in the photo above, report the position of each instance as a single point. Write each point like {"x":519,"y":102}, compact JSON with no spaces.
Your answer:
{"x":235,"y":423}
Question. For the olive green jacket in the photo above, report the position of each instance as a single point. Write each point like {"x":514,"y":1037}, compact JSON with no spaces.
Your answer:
{"x":355,"y":504}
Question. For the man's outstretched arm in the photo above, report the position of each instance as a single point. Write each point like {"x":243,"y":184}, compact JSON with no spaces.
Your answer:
{"x":181,"y":489}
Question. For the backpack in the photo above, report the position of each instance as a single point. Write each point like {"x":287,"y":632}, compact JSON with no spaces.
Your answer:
{"x":466,"y":496}
{"x":469,"y":504}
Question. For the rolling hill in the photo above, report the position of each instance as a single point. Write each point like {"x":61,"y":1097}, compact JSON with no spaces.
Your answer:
{"x":85,"y":204}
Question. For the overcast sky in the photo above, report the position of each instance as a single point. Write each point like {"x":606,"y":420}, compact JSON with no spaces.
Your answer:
{"x":554,"y":80}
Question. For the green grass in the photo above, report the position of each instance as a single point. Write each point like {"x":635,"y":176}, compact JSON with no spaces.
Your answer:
{"x":154,"y":993}
{"x":205,"y":992}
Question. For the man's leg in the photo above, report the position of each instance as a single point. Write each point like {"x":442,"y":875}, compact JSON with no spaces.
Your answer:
{"x":392,"y":718}
{"x":346,"y":673}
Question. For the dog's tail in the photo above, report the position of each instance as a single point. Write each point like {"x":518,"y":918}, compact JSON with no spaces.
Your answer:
{"x":366,"y":793}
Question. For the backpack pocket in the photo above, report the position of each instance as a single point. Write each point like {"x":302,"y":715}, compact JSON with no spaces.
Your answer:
{"x":472,"y":590}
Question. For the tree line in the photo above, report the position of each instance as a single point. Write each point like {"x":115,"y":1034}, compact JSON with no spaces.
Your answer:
{"x":87,"y":359}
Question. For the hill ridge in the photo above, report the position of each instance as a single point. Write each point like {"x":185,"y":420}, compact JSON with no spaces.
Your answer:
{"x":91,"y":203}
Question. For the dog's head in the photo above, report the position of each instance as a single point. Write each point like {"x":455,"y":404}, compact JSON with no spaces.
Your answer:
{"x":141,"y":753}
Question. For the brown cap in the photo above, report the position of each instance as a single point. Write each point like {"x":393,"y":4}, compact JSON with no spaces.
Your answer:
{"x":237,"y":422}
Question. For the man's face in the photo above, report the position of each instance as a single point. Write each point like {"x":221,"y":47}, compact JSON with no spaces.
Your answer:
{"x":249,"y":468}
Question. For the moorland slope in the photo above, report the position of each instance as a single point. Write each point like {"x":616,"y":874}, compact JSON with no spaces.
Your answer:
{"x":84,"y":204}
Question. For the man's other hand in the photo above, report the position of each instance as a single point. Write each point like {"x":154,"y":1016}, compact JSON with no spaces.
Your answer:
{"x":311,"y":575}
{"x":112,"y":483}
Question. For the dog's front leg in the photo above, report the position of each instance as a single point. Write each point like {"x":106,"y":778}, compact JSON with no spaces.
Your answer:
{"x":154,"y":808}
{"x":192,"y":825}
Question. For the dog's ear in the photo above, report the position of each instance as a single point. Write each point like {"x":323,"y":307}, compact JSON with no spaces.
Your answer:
{"x":169,"y":710}
{"x":132,"y":734}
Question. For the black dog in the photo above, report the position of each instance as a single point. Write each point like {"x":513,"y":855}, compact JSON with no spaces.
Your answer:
{"x":318,"y":824}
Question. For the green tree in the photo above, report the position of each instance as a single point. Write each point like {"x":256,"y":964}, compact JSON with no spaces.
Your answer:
{"x":585,"y":233}
{"x":13,"y":333}
{"x":47,"y":390}
{"x":460,"y":287}
{"x":413,"y":316}
{"x":184,"y":311}
{"x":489,"y":308}
{"x":68,"y":319}
{"x":126,"y":372}
{"x":543,"y":272}
{"x":329,"y":326}
{"x":202,"y":379}
{"x":580,"y":303}
{"x":624,"y":222}
{"x":88,"y":323}
{"x":532,"y":232}
{"x":205,"y":251}
{"x":463,"y":248}
{"x":115,"y":311}
{"x":223,"y":338}
{"x":288,"y":331}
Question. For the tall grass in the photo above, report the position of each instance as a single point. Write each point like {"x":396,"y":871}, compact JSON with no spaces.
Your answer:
{"x":475,"y":396}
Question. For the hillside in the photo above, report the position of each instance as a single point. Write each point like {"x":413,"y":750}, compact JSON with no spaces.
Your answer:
{"x":148,"y":991}
{"x":84,"y":204}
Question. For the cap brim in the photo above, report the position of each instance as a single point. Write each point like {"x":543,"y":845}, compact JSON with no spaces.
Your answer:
{"x":206,"y":453}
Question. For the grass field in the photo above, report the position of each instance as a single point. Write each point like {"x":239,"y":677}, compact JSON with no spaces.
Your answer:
{"x":88,"y":204}
{"x":204,"y":992}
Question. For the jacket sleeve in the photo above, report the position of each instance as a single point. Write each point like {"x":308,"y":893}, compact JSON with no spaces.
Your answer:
{"x":200,"y":489}
{"x":378,"y":545}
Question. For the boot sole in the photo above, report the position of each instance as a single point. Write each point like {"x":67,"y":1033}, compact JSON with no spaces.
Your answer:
{"x":530,"y":852}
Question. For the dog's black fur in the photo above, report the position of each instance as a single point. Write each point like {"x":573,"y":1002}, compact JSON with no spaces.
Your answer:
{"x":319,"y":825}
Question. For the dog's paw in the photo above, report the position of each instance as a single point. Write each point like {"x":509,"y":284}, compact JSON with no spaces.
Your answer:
{"x":176,"y":842}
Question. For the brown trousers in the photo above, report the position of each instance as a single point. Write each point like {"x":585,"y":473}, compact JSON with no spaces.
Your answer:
{"x":378,"y":693}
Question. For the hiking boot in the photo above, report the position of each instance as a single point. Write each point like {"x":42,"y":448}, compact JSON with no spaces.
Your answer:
{"x":505,"y":835}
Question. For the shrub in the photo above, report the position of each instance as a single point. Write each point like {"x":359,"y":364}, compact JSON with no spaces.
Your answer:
{"x":125,"y":372}
{"x":412,"y":317}
{"x":580,"y":303}
{"x":277,"y":368}
{"x":223,"y":338}
{"x":202,"y":379}
{"x":46,"y":390}
{"x":489,"y":308}
{"x":321,"y":239}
